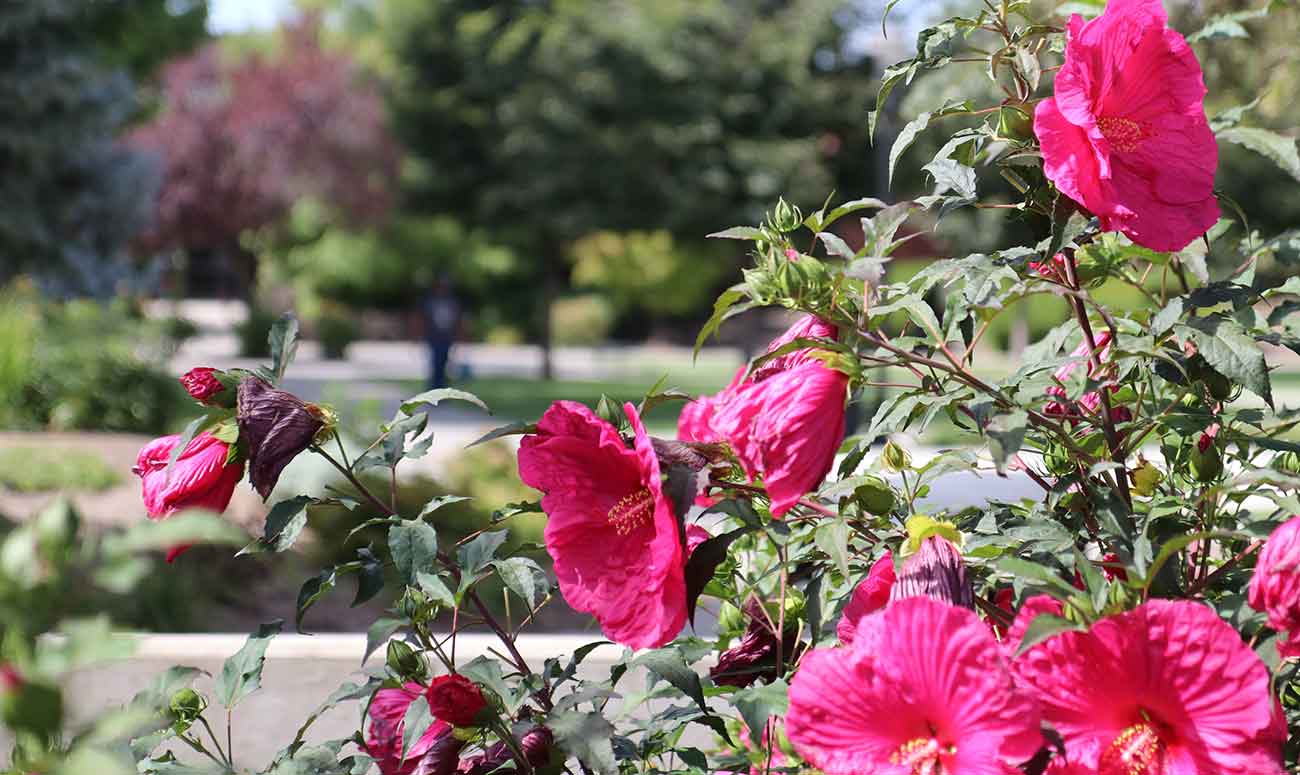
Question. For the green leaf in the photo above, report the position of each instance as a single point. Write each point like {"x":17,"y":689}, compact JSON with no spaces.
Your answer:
{"x":284,"y":523}
{"x":1028,"y":65}
{"x":1006,"y":432}
{"x":435,"y":588}
{"x":1229,"y":350}
{"x":588,"y":736}
{"x":1279,"y":148}
{"x":284,"y":344}
{"x":835,"y":246}
{"x":378,"y":635}
{"x":475,"y":555}
{"x":917,"y":309}
{"x":906,"y":136}
{"x":951,"y":175}
{"x":414,"y":546}
{"x":313,"y":589}
{"x":759,"y":703}
{"x":418,"y":719}
{"x":510,"y":429}
{"x":1043,"y":627}
{"x":439,"y":502}
{"x":1031,"y":570}
{"x":850,"y":207}
{"x":194,"y":526}
{"x":725,"y":302}
{"x":434,"y":397}
{"x":669,"y":664}
{"x":523,"y":577}
{"x":832,"y":537}
{"x":739,"y":232}
{"x":192,"y":429}
{"x":703,"y":562}
{"x":241,"y":674}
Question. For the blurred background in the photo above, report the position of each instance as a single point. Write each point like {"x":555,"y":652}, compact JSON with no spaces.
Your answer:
{"x":510,"y":197}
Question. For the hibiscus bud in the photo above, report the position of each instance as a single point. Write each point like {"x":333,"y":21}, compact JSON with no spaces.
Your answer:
{"x":896,"y":458}
{"x":791,"y":254}
{"x":10,"y":679}
{"x":1206,"y":459}
{"x":276,"y":426}
{"x":405,"y":663}
{"x":874,"y":497}
{"x":185,"y":707}
{"x":754,"y":657}
{"x":938,"y":571}
{"x":1287,"y":462}
{"x":537,"y":744}
{"x":786,"y":217}
{"x":455,"y":699}
{"x":208,"y":386}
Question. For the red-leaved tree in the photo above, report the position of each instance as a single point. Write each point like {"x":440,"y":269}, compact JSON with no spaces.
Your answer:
{"x":241,"y":142}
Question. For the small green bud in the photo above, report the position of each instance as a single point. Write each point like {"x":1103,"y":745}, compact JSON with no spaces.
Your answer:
{"x":730,"y":619}
{"x":187,"y":703}
{"x":896,"y":458}
{"x":404,"y":662}
{"x":786,"y":217}
{"x":1287,"y":462}
{"x":1190,"y":401}
{"x":1015,"y":124}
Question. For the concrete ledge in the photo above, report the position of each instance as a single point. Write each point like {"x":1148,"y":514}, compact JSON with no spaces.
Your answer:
{"x":300,"y":672}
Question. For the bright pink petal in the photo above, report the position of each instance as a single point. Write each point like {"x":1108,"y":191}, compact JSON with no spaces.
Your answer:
{"x":921,"y":675}
{"x":870,"y":595}
{"x":1171,"y":665}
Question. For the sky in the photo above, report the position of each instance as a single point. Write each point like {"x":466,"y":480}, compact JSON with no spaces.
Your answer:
{"x":240,"y":15}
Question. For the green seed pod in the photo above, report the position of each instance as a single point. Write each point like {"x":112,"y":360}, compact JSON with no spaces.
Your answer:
{"x":1287,"y":462}
{"x":786,"y":217}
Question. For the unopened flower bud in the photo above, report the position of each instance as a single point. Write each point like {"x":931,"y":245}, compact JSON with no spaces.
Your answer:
{"x":938,"y":571}
{"x":1206,"y":459}
{"x":276,"y":426}
{"x":874,"y":497}
{"x":537,"y":744}
{"x":204,"y":385}
{"x":897,"y":459}
{"x":754,"y":657}
{"x":786,"y":217}
{"x":1287,"y":462}
{"x":455,"y":699}
{"x":404,"y":662}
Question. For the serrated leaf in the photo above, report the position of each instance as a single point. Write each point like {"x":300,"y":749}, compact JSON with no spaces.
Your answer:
{"x":414,"y":546}
{"x":241,"y":674}
{"x":284,"y":344}
{"x":284,"y":523}
{"x":906,"y":136}
{"x":586,"y":736}
{"x":510,"y":429}
{"x":378,"y":635}
{"x":313,"y":589}
{"x":739,"y":232}
{"x":669,"y":664}
{"x":832,"y":537}
{"x":1006,"y":432}
{"x":951,"y":175}
{"x":835,"y":246}
{"x":523,"y":577}
{"x":1279,"y":148}
{"x":418,"y":719}
{"x":725,"y":301}
{"x":475,"y":555}
{"x":435,"y":588}
{"x":1041,"y":628}
{"x":438,"y":395}
{"x":759,"y":703}
{"x":1230,"y":351}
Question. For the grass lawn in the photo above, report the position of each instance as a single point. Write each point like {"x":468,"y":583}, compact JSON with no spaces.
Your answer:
{"x":33,"y":469}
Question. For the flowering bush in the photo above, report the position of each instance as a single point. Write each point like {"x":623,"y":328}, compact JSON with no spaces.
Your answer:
{"x":1122,"y":621}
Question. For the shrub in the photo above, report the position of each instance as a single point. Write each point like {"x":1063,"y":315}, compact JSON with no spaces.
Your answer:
{"x":52,"y":469}
{"x":581,"y":320}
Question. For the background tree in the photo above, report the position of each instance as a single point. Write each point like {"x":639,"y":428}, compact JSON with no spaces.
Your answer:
{"x":549,"y":121}
{"x":242,"y":143}
{"x":72,"y":195}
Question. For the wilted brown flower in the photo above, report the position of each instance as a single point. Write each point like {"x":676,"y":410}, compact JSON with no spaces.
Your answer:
{"x":276,"y":426}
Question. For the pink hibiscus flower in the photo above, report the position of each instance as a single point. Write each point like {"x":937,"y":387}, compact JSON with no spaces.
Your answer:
{"x":1166,"y":689}
{"x":1275,"y":587}
{"x":1125,"y":134}
{"x":786,"y":421}
{"x":435,"y":753}
{"x":870,"y":595}
{"x":1091,"y":400}
{"x":200,"y":479}
{"x":923,"y":689}
{"x":610,"y":528}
